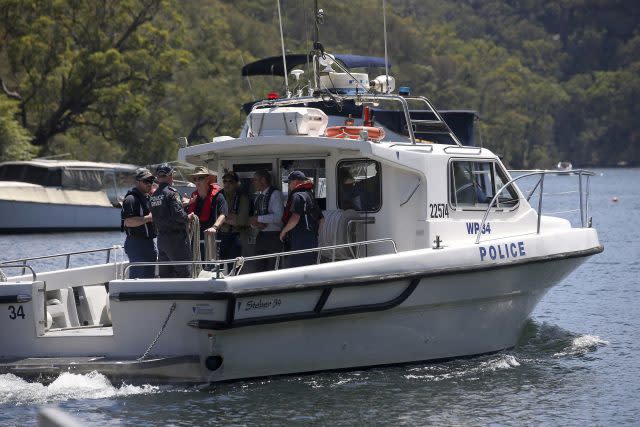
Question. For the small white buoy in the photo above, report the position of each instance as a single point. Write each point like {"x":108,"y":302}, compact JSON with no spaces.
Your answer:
{"x":615,"y":199}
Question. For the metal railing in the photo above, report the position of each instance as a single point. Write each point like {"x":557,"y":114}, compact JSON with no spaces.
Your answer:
{"x":238,"y":263}
{"x":371,"y":98}
{"x":22,"y":266}
{"x":22,"y":263}
{"x":584,"y":201}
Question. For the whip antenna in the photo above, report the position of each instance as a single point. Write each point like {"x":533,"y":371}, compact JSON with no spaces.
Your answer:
{"x":284,"y":57}
{"x":386,"y":56}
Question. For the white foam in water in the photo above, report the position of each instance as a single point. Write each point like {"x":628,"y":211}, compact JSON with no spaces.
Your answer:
{"x":66,"y":387}
{"x":505,"y":361}
{"x":582,"y":345}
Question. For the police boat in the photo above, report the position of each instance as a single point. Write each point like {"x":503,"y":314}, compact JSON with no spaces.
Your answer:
{"x":430,"y":249}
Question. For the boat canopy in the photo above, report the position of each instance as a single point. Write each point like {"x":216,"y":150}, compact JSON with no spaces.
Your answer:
{"x":273,"y":66}
{"x":71,"y":175}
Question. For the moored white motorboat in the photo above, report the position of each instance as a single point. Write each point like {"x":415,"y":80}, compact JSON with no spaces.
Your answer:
{"x":429,"y":251}
{"x":48,"y":195}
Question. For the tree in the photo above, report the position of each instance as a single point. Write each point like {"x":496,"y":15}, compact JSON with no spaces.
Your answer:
{"x":76,"y":65}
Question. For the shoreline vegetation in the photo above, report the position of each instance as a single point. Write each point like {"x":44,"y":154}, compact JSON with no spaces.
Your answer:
{"x":121,"y":80}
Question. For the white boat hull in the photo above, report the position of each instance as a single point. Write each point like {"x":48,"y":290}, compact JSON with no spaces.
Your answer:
{"x":17,"y":216}
{"x":406,"y":307}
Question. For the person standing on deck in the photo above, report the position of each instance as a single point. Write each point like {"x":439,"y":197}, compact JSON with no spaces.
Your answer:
{"x":137,"y":223}
{"x":171,"y":221}
{"x":268,"y":209}
{"x":303,"y":219}
{"x":236,"y":223}
{"x":207,"y":202}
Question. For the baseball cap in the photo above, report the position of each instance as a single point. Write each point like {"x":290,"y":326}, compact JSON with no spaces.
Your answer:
{"x":143,"y":173}
{"x":296,"y":175}
{"x":164,"y":169}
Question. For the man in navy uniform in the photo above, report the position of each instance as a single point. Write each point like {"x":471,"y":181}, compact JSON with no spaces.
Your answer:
{"x":303,"y":218}
{"x":136,"y":222}
{"x":171,"y":222}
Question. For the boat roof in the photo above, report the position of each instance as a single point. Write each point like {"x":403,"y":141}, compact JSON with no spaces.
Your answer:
{"x":273,"y":66}
{"x":49,"y":163}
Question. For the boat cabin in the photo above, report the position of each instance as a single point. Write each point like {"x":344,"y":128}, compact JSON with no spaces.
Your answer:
{"x":421,"y":194}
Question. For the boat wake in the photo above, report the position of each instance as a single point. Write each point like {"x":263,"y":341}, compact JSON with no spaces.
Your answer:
{"x":539,"y":340}
{"x":17,"y":391}
{"x":470,"y":369}
{"x":538,"y":344}
{"x":582,"y":345}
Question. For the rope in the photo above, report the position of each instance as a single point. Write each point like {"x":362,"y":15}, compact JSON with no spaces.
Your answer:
{"x":155,"y":340}
{"x":194,"y":239}
{"x":3,"y":277}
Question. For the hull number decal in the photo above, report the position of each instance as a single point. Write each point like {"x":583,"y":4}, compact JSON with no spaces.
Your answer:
{"x":438,"y":210}
{"x":474,"y":227}
{"x":502,"y":251}
{"x":15,"y":313}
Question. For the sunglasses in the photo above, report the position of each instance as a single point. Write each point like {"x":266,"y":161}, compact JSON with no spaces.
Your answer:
{"x":148,"y":181}
{"x":228,"y":181}
{"x":199,"y":178}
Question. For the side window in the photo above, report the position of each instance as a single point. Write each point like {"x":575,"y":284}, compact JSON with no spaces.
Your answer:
{"x":474,"y":184}
{"x":359,"y":185}
{"x":313,"y":169}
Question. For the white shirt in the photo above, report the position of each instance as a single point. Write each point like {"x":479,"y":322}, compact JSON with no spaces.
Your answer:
{"x":276,"y":208}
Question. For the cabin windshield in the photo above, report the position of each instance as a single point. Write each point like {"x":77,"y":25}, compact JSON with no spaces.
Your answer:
{"x":473,"y":184}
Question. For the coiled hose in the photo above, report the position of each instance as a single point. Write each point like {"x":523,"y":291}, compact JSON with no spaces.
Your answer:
{"x":335,"y":232}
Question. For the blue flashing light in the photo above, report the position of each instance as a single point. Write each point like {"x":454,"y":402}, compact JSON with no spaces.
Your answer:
{"x":404,"y":91}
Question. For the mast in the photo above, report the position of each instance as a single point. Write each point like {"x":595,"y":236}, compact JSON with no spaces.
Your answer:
{"x":284,"y":56}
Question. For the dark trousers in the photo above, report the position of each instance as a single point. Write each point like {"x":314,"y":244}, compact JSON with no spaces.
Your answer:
{"x":267,"y":242}
{"x":174,"y":247}
{"x":300,"y":240}
{"x":141,"y":249}
{"x":230,"y":246}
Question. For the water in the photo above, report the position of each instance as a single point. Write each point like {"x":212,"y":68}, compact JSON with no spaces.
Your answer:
{"x":577,"y":362}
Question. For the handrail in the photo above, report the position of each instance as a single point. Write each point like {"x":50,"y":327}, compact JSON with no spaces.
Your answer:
{"x":33,"y":272}
{"x":276,"y":255}
{"x":438,"y":116}
{"x":540,"y":183}
{"x":23,"y":261}
{"x":359,"y":98}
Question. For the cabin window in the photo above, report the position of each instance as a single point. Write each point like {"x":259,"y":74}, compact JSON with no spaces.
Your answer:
{"x":473,"y":184}
{"x":31,"y":174}
{"x":359,"y":185}
{"x":314,"y":169}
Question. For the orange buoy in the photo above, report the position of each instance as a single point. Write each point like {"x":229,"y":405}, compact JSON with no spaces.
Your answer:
{"x":353,"y":132}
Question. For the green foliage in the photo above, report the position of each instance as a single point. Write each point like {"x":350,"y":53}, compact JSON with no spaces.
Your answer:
{"x":120,"y":80}
{"x":14,"y":139}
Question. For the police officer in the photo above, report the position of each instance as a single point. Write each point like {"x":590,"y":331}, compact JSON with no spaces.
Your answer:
{"x":171,"y":222}
{"x":137,"y":223}
{"x":236,"y":224}
{"x":303,"y":218}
